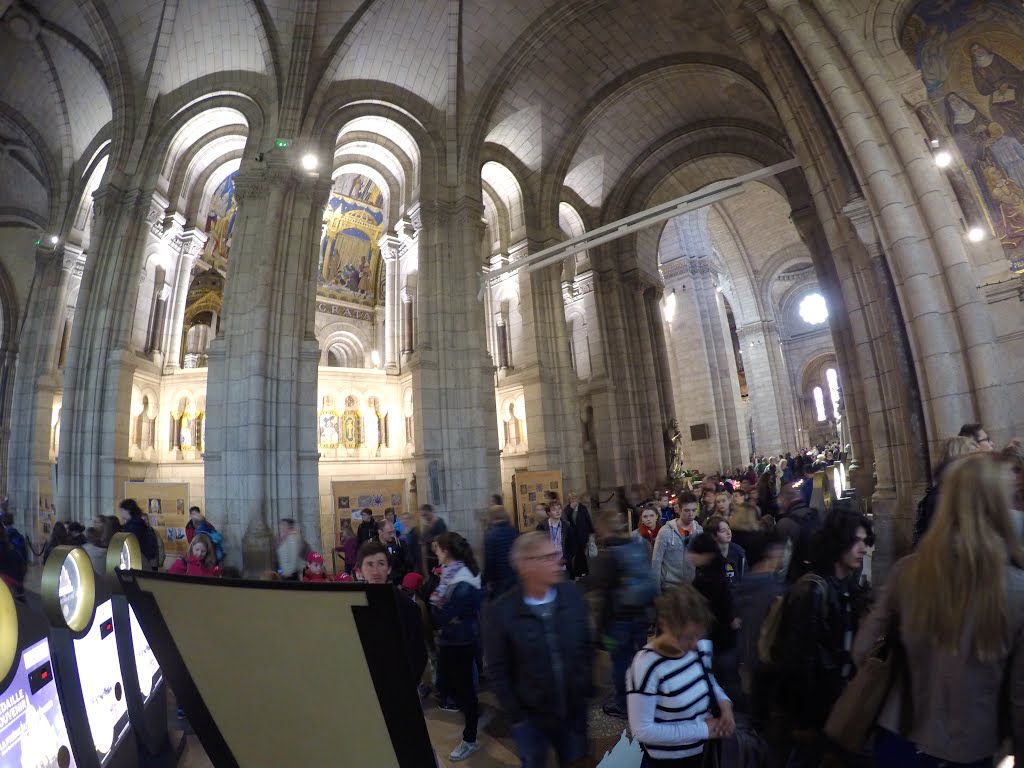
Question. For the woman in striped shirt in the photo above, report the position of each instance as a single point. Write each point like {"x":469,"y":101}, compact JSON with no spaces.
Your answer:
{"x":674,"y":703}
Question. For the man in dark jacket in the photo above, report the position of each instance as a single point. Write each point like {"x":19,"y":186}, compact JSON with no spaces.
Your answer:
{"x":822,"y":614}
{"x":562,"y":534}
{"x":798,"y":523}
{"x":540,"y":656}
{"x":499,"y":577}
{"x":367,"y":530}
{"x":622,"y":574}
{"x":579,"y":518}
{"x":398,"y":555}
{"x":135,"y":524}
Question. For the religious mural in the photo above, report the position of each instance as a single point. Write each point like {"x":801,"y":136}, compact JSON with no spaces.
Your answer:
{"x":352,"y":227}
{"x":971,"y":55}
{"x":220,"y":220}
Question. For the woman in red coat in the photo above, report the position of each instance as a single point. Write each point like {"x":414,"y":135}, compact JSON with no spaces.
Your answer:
{"x":201,"y":559}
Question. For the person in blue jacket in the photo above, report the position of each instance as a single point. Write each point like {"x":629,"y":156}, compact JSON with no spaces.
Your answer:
{"x":455,"y":613}
{"x":498,"y":576}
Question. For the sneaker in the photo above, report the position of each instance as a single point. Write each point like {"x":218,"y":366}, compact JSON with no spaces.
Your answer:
{"x":464,"y":750}
{"x":614,"y":710}
{"x":445,"y":705}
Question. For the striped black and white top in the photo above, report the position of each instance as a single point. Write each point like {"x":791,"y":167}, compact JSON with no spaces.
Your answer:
{"x":668,"y":701}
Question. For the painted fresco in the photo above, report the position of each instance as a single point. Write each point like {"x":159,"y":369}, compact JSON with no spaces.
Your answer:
{"x":352,"y":227}
{"x":971,"y":55}
{"x":220,"y":221}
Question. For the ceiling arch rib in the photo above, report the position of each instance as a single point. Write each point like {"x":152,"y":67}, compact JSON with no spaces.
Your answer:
{"x":191,"y":133}
{"x":211,"y":148}
{"x":506,"y":188}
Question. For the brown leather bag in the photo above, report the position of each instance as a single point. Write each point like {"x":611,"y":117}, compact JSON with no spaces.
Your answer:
{"x":856,"y":711}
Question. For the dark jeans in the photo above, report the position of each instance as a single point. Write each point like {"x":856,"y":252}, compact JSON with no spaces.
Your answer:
{"x":568,"y":738}
{"x":891,"y":751}
{"x":457,"y":667}
{"x":628,"y":638}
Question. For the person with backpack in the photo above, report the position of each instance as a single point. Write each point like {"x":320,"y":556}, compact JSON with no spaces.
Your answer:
{"x":812,"y":640}
{"x":622,"y":575}
{"x":135,"y":524}
{"x":799,"y":524}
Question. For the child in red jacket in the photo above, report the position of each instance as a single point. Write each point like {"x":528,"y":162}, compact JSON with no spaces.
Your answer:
{"x":314,"y":570}
{"x":200,"y":561}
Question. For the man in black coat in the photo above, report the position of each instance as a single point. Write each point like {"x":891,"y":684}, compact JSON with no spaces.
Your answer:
{"x":579,"y":518}
{"x":540,"y":655}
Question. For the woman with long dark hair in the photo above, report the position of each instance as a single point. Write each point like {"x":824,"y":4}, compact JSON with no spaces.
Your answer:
{"x":59,"y":537}
{"x":455,"y":612}
{"x":959,"y":601}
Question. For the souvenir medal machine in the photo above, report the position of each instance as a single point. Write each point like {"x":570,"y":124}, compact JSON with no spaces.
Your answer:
{"x":144,"y":688}
{"x":86,"y":661}
{"x":33,"y":730}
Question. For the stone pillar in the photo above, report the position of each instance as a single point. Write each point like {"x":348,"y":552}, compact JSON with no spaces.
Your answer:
{"x":389,"y":251}
{"x":261,"y":455}
{"x":455,"y":421}
{"x":101,"y":361}
{"x":765,"y":387}
{"x":37,"y":380}
{"x":192,"y":243}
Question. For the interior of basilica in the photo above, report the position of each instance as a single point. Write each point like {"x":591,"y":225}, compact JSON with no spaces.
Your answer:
{"x":280,"y":260}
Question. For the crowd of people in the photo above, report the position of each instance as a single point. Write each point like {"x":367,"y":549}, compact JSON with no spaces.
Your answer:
{"x":734,"y":614}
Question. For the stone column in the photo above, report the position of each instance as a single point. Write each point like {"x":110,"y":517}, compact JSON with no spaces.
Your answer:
{"x":389,"y":251}
{"x":192,"y":243}
{"x":101,"y":361}
{"x":261,"y":456}
{"x":452,"y":374}
{"x":37,"y":380}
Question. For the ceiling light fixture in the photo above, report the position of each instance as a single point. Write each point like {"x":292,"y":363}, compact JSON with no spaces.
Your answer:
{"x":54,"y":239}
{"x":976,"y":234}
{"x":943,"y":159}
{"x":310,"y":162}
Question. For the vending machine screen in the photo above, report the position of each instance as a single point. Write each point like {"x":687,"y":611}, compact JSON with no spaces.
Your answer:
{"x":100,"y":675}
{"x":32,"y":727}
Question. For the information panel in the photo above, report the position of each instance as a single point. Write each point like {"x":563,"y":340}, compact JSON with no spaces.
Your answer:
{"x":167,"y":506}
{"x":32,"y":728}
{"x":530,"y":489}
{"x":100,"y":673}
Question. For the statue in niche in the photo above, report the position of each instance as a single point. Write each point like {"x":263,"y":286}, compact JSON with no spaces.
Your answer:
{"x":381,"y":426}
{"x":187,"y":436}
{"x":371,"y":434}
{"x":330,"y":424}
{"x":674,"y":451}
{"x":351,"y":424}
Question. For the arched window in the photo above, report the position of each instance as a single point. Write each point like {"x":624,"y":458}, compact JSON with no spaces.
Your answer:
{"x":833,"y":389}
{"x":819,"y":403}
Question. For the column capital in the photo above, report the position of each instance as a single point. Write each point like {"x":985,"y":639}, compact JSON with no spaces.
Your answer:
{"x":859,"y":214}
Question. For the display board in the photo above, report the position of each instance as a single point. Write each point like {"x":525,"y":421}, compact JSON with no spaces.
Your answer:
{"x":167,"y":505}
{"x":529,"y":488}
{"x":212,"y":640}
{"x":33,"y":731}
{"x":350,"y":497}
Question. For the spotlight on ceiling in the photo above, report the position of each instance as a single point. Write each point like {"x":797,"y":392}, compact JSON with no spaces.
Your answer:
{"x":976,"y":234}
{"x":718,"y":288}
{"x":54,"y":239}
{"x":943,"y":159}
{"x":309,"y":162}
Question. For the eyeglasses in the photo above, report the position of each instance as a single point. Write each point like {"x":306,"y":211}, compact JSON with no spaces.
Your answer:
{"x":549,"y":556}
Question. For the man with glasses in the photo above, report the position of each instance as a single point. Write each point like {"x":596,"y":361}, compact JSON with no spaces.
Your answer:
{"x":978,"y":434}
{"x":540,"y":656}
{"x":669,"y":562}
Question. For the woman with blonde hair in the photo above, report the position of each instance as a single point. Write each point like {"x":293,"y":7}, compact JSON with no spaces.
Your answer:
{"x":746,"y":528}
{"x":200,"y":561}
{"x":952,"y":448}
{"x":959,"y":603}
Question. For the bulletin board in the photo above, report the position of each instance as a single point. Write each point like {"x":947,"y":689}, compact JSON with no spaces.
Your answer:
{"x":350,"y":497}
{"x":529,"y":488}
{"x":167,"y":505}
